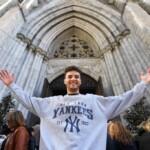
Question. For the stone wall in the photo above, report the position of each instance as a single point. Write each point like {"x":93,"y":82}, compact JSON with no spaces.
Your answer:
{"x":16,"y":57}
{"x":145,"y":4}
{"x":139,"y":23}
{"x":7,"y":5}
{"x":122,"y":44}
{"x":10,"y":46}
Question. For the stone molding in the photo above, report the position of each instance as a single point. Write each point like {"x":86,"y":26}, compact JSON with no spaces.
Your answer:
{"x":46,"y":57}
{"x":56,"y":68}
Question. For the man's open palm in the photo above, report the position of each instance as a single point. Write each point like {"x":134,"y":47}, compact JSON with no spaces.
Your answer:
{"x":146,"y":77}
{"x":6,"y":77}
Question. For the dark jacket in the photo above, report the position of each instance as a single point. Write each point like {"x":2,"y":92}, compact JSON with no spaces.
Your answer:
{"x":144,"y":141}
{"x":17,"y":139}
{"x":112,"y":144}
{"x":31,"y":143}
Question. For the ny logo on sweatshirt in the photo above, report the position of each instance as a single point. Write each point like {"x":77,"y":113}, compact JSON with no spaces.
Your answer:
{"x":73,"y":124}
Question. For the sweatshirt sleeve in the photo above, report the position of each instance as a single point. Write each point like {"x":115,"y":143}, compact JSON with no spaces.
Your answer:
{"x":112,"y":106}
{"x":33,"y":104}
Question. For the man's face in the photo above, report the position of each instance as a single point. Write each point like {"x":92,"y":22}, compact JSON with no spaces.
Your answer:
{"x":72,"y":81}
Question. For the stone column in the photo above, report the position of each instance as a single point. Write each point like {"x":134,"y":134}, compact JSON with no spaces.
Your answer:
{"x":34,"y":73}
{"x":143,"y":55}
{"x":134,"y":74}
{"x":40,"y":81}
{"x":143,"y":50}
{"x":105,"y":78}
{"x":145,"y":4}
{"x":23,"y":75}
{"x":113,"y":73}
{"x":21,"y":80}
{"x":11,"y":62}
{"x":5,"y":44}
{"x":129,"y":59}
{"x":124,"y":75}
{"x":31,"y":81}
{"x":141,"y":58}
{"x":8,"y":48}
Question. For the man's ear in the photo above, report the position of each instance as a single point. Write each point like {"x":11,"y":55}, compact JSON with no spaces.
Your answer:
{"x":80,"y":82}
{"x":64,"y":81}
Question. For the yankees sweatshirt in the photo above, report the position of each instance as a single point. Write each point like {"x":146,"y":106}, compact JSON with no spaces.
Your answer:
{"x":76,"y":122}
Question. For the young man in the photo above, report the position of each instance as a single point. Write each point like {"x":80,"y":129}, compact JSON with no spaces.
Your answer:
{"x":75,"y":121}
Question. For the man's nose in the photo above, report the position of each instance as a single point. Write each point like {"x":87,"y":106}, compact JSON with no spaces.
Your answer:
{"x":73,"y":78}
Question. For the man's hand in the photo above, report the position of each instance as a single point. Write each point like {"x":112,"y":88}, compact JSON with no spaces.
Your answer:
{"x":6,"y":77}
{"x":146,"y":77}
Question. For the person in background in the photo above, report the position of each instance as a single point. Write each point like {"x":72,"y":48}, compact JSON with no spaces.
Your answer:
{"x":37,"y":135}
{"x":31,"y":141}
{"x":18,"y":137}
{"x":144,"y":135}
{"x":74,"y":121}
{"x":118,"y":137}
{"x":4,"y":133}
{"x":2,"y":141}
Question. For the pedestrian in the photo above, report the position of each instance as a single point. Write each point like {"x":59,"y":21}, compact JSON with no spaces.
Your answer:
{"x":31,"y":141}
{"x":118,"y":137}
{"x":17,"y":139}
{"x":75,"y":121}
{"x":37,"y":135}
{"x":144,"y":139}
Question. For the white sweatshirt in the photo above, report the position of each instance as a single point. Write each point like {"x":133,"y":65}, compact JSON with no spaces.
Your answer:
{"x":76,"y":122}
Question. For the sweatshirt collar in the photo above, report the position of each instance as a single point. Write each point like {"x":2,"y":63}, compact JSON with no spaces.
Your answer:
{"x":74,"y":94}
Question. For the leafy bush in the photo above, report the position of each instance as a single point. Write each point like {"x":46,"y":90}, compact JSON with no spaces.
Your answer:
{"x":136,"y":114}
{"x":5,"y":105}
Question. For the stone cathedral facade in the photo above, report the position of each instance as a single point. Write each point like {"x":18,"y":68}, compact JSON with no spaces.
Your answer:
{"x":108,"y":39}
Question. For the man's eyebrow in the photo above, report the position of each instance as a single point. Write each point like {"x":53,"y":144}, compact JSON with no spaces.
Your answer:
{"x":69,"y":75}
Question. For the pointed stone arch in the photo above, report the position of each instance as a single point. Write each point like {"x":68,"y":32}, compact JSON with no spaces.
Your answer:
{"x":105,"y":27}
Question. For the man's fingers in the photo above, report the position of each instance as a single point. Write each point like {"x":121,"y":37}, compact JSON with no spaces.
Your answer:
{"x":3,"y":74}
{"x":1,"y":71}
{"x":6,"y":72}
{"x":1,"y":78}
{"x":148,"y":71}
{"x":142,"y":73}
{"x":12,"y":76}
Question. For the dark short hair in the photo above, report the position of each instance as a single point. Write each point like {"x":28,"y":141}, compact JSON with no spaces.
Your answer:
{"x":71,"y":68}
